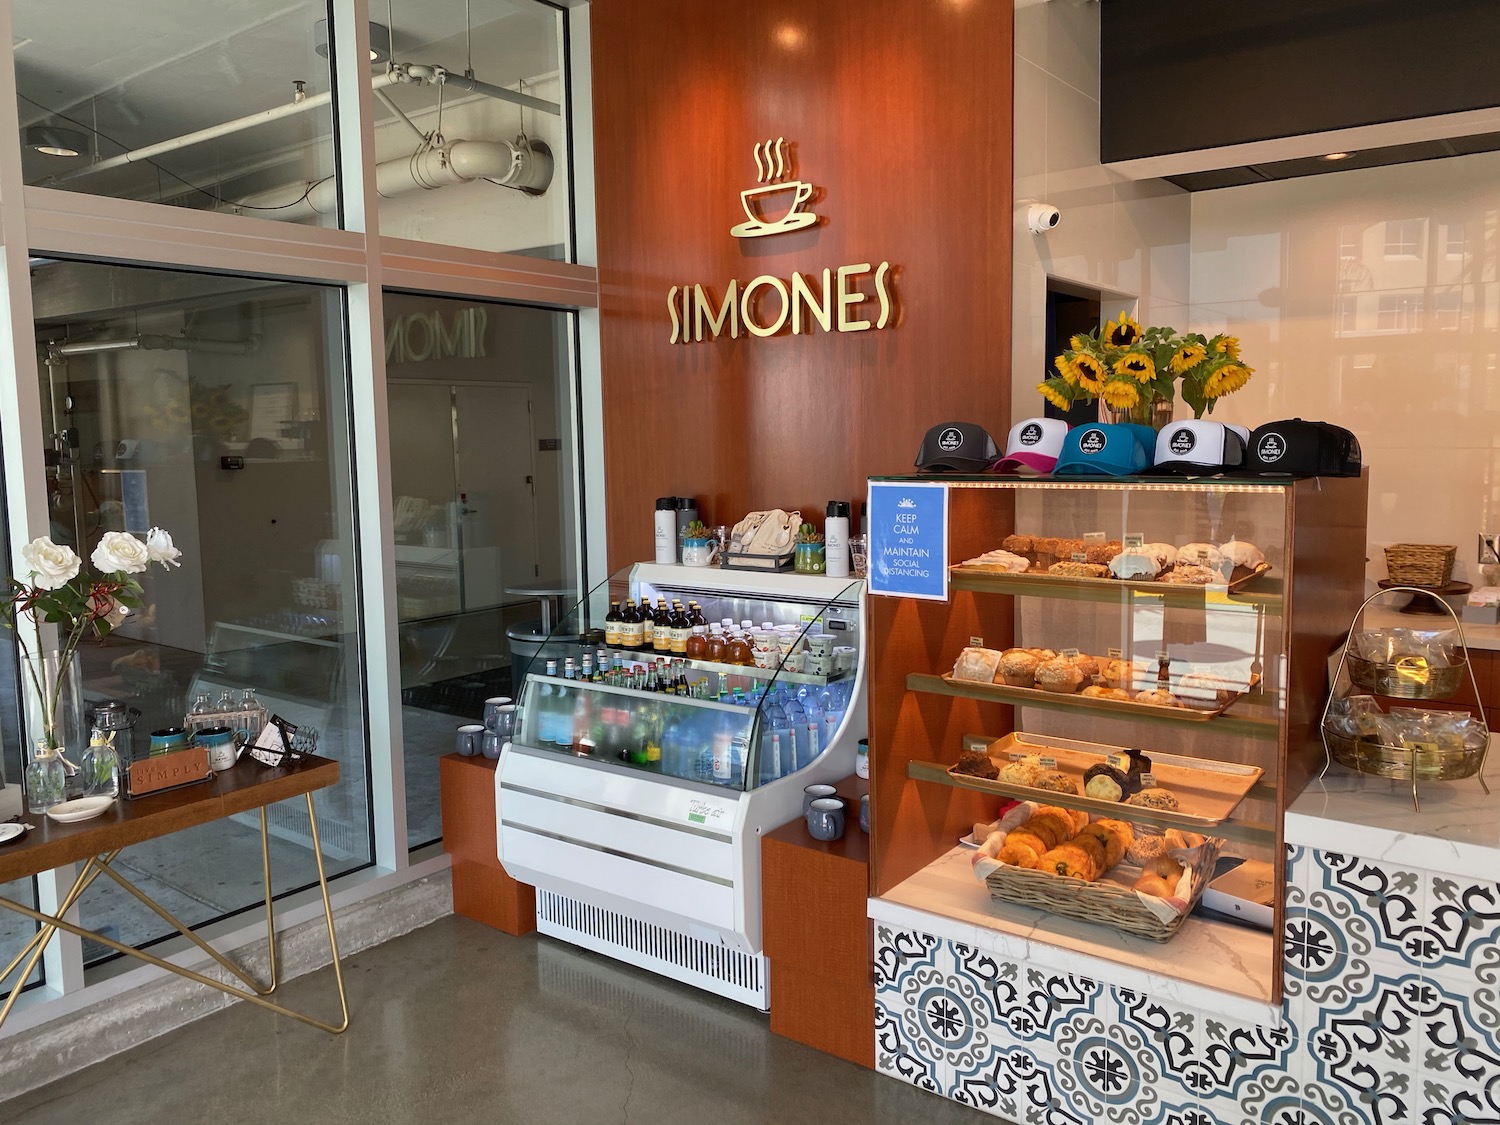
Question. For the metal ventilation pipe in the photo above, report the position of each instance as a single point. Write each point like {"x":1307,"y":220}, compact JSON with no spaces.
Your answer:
{"x":526,"y":166}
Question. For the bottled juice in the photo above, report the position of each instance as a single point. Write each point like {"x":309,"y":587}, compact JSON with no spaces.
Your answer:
{"x":714,"y":649}
{"x":738,"y":651}
{"x":697,"y":644}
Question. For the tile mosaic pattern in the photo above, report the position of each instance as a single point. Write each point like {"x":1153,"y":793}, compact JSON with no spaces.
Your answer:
{"x":1391,"y":1018}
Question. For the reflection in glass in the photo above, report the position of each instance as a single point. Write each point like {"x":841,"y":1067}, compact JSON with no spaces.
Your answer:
{"x":216,"y":407}
{"x":481,"y":471}
{"x":208,"y":106}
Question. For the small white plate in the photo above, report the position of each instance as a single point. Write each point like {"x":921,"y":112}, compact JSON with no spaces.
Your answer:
{"x":84,"y":808}
{"x":9,"y":832}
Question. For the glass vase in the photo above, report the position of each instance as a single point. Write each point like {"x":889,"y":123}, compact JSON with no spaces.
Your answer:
{"x":46,"y":780}
{"x":1155,"y":412}
{"x":54,"y":708}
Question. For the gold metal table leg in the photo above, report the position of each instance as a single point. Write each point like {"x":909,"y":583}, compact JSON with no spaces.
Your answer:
{"x":38,"y":942}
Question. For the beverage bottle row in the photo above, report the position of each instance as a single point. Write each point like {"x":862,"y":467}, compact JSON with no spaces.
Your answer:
{"x":678,"y":630}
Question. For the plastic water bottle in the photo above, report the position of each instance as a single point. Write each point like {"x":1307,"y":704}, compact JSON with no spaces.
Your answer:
{"x":775,"y":740}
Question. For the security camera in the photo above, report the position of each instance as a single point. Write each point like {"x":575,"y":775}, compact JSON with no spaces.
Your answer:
{"x":1042,"y":217}
{"x":128,"y":449}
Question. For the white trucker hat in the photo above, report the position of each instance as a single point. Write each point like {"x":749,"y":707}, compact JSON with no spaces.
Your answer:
{"x":1199,"y":448}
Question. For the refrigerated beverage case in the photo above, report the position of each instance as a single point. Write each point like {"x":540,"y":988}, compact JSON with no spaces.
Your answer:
{"x":738,"y":651}
{"x":612,"y":625}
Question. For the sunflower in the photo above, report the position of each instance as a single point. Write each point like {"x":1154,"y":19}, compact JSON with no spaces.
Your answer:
{"x":1187,"y":357}
{"x":1049,"y":391}
{"x":1090,"y":372}
{"x":1226,"y":380}
{"x":1121,"y":395}
{"x":1227,"y":345}
{"x":1065,"y":368}
{"x":1122,"y":333}
{"x":1136,"y":365}
{"x":1077,"y":343}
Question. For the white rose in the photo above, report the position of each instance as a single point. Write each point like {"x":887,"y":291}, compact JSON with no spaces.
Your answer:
{"x":159,"y":547}
{"x":51,"y":566}
{"x":120,"y":553}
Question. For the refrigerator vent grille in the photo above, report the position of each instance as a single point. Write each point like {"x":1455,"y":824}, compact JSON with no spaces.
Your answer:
{"x":708,"y":965}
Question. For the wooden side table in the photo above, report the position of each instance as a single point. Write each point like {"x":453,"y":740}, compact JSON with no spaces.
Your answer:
{"x":481,"y":888}
{"x":817,"y":934}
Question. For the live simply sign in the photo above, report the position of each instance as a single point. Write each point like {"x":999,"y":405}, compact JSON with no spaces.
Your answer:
{"x":908,"y":530}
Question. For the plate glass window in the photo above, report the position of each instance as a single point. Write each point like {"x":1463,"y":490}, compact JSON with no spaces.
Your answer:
{"x":220,"y":107}
{"x":216,"y":408}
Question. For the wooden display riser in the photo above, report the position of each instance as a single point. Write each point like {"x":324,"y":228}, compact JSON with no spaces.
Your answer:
{"x":481,"y":888}
{"x":817,"y":934}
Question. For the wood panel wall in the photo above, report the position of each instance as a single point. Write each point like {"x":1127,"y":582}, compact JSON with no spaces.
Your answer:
{"x":899,"y":112}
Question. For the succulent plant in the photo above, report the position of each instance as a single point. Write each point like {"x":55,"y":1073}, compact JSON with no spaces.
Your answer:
{"x":696,"y":530}
{"x":807,"y":533}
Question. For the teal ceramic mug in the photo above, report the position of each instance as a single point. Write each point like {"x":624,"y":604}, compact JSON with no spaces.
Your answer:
{"x":167,"y":739}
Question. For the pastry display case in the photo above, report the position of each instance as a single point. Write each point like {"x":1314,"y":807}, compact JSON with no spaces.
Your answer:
{"x":647,"y":764}
{"x":1123,"y":686}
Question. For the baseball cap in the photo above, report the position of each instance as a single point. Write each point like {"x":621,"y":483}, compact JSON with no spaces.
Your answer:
{"x":1297,"y":448}
{"x":1112,"y":449}
{"x":962,"y":447}
{"x":1199,"y":448}
{"x":1033,"y":446}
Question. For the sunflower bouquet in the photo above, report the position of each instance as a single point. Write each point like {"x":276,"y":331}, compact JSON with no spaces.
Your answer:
{"x":1128,"y":368}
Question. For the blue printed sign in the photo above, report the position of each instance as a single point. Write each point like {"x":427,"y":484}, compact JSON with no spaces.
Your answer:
{"x":908,"y":540}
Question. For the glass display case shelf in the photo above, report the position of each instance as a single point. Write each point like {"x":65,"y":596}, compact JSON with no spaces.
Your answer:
{"x":747,"y":671}
{"x":597,"y":688}
{"x":1053,"y":701}
{"x":1262,"y":590}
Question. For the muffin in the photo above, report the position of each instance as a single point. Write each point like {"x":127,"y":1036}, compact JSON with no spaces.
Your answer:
{"x":1101,"y":553}
{"x":1059,"y":675}
{"x":1121,"y":673}
{"x":975,"y":764}
{"x":1023,"y":545}
{"x":1018,"y":668}
{"x":1045,"y":550}
{"x":1067,"y":548}
{"x":1087,"y":665}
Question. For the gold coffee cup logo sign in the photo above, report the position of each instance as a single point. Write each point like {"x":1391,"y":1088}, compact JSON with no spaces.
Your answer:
{"x":830,"y":302}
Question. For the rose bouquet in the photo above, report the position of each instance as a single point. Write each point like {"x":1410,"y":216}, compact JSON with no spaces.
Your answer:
{"x":1127,"y":368}
{"x":57,"y":591}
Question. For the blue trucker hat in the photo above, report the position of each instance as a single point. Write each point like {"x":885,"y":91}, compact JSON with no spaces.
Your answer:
{"x":1106,"y":449}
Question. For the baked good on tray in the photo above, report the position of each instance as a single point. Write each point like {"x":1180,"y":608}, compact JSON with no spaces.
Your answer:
{"x":976,"y":764}
{"x":1243,"y":554}
{"x":1098,"y":691}
{"x":1021,"y":773}
{"x":1059,"y":675}
{"x":1164,"y":553}
{"x":1101,"y":553}
{"x":1105,"y":783}
{"x":1087,"y":665}
{"x":977,"y":665}
{"x":1156,"y":697}
{"x":1018,"y":667}
{"x":1056,"y":782}
{"x":1135,"y":564}
{"x":1202,"y":554}
{"x":1205,"y":691}
{"x":1023,"y":545}
{"x":1192,"y":574}
{"x":1001,"y":562}
{"x":1154,"y":798}
{"x":1069,"y":569}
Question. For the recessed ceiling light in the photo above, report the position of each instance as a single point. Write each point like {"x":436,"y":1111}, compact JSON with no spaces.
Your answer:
{"x":54,"y":140}
{"x":1336,"y":156}
{"x":380,"y":40}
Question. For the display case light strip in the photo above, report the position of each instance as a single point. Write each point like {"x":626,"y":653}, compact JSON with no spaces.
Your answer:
{"x":1113,"y":486}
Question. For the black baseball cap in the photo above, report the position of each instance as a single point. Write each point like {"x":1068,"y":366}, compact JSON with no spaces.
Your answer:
{"x":959,"y":447}
{"x":1298,"y":448}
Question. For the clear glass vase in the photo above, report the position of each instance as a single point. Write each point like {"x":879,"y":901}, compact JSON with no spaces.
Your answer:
{"x":46,"y":780}
{"x":100,"y":770}
{"x":1155,"y":412}
{"x":54,"y":706}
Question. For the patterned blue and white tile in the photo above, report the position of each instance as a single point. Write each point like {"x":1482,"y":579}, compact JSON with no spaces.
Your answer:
{"x":1451,"y":1044}
{"x":1461,"y":924}
{"x":1326,"y":956}
{"x":1107,"y":1072}
{"x":1021,"y":1003}
{"x":900,"y":1052}
{"x":1442,"y":1102}
{"x":1380,"y":903}
{"x":1017,"y":1085}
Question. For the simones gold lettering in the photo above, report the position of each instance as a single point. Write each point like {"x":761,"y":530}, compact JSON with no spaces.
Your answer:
{"x":767,"y":305}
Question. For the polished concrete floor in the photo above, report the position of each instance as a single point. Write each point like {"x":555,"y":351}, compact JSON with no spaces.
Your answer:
{"x":458,"y":1023}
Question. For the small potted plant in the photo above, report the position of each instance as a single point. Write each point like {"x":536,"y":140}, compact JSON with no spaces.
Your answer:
{"x":809,"y":558}
{"x":698,"y":546}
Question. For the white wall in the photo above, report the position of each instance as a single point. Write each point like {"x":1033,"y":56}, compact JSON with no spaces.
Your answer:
{"x":1121,"y":236}
{"x":1419,"y":389}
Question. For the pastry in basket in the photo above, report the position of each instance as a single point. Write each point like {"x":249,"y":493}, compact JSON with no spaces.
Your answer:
{"x":1003,"y":562}
{"x":1122,"y":828}
{"x":1149,"y":884}
{"x":1087,"y":665}
{"x":977,"y":665}
{"x":1206,"y":691}
{"x":1052,"y":826}
{"x":1018,"y":667}
{"x":1027,"y":838}
{"x":1094,"y":849}
{"x":1243,"y":554}
{"x":1069,"y":861}
{"x":1101,"y":553}
{"x":1058,"y":674}
{"x":1070,"y":569}
{"x":976,"y":764}
{"x":1023,"y":545}
{"x":1178,"y":840}
{"x":1191,"y":574}
{"x":1165,"y":866}
{"x":1018,"y":854}
{"x":1156,"y":798}
{"x":1054,"y":783}
{"x":1145,"y":847}
{"x":1024,"y":772}
{"x":1080,"y":819}
{"x":1105,"y":783}
{"x":1108,"y":839}
{"x":1156,"y":697}
{"x":1134,"y":564}
{"x":1098,"y":691}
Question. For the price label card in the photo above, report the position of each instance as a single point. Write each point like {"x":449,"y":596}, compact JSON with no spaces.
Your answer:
{"x":976,"y":642}
{"x":1148,"y":781}
{"x":1080,"y":556}
{"x":1017,"y":756}
{"x":1095,"y":537}
{"x":1164,"y":657}
{"x":1070,"y":653}
{"x":1202,"y":555}
{"x":1120,"y":762}
{"x":1116,"y":654}
{"x":1134,"y":541}
{"x":1048,"y":763}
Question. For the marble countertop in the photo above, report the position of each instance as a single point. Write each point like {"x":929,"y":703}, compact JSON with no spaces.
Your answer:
{"x":1212,"y":966}
{"x":1457,"y":830}
{"x":1384,"y":616}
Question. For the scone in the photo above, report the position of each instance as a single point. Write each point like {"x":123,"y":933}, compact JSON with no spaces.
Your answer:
{"x":1023,"y":545}
{"x":1157,"y":798}
{"x":1098,"y":691}
{"x":977,"y":665}
{"x":1055,"y":783}
{"x":1021,"y":773}
{"x":1157,"y":698}
{"x":1191,"y":574}
{"x":1058,"y":674}
{"x":1018,"y":668}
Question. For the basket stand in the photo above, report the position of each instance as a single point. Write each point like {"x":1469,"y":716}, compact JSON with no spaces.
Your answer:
{"x":1333,"y":692}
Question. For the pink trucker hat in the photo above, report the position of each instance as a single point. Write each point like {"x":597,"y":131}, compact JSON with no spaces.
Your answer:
{"x":1033,"y":446}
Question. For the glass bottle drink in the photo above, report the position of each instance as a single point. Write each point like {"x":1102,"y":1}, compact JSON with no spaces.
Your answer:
{"x":648,"y":625}
{"x":738,"y":650}
{"x":695,"y":615}
{"x":697,"y":644}
{"x":661,"y":638}
{"x":612,"y":625}
{"x":713,"y":649}
{"x":631,"y":627}
{"x":682,"y":629}
{"x":201,"y":704}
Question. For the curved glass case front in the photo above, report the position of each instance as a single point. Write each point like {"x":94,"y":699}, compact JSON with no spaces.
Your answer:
{"x":756,"y":692}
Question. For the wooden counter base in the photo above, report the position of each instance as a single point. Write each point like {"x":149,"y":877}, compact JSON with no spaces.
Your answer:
{"x":481,"y":888}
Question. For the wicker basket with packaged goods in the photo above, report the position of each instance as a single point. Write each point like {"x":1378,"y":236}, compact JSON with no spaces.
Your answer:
{"x":1082,"y":871}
